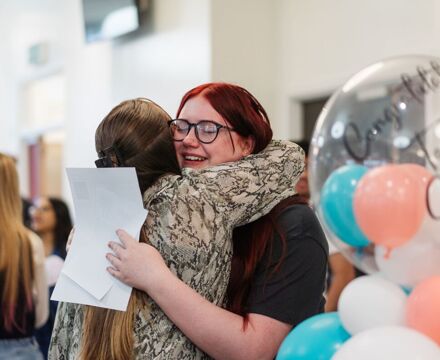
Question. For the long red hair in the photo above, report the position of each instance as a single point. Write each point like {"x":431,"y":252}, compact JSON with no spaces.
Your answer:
{"x":248,"y":118}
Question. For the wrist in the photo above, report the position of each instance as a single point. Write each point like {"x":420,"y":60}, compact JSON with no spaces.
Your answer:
{"x":159,"y":282}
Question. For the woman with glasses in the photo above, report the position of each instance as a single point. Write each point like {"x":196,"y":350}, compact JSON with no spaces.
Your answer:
{"x":23,"y":288}
{"x":190,"y":221}
{"x":279,"y":262}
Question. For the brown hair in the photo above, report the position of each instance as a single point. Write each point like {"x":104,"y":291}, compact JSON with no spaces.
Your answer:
{"x":16,"y":264}
{"x":136,"y":134}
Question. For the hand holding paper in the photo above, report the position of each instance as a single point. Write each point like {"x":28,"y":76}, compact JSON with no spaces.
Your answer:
{"x":105,"y":200}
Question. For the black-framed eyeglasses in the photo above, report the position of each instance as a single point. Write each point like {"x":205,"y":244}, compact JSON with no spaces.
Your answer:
{"x":206,"y":130}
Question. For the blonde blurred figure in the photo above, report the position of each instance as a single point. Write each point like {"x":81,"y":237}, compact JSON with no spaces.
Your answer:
{"x":341,"y":271}
{"x":23,"y":288}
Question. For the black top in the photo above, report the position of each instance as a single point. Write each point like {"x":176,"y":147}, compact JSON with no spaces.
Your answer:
{"x":25,"y":318}
{"x":295,"y":291}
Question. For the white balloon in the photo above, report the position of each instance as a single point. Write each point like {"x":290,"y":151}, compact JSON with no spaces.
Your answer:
{"x":388,"y":342}
{"x":414,"y":261}
{"x":371,"y":301}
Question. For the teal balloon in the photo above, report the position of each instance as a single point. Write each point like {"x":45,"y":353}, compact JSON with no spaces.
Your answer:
{"x":407,"y":289}
{"x":337,"y":204}
{"x":316,"y":338}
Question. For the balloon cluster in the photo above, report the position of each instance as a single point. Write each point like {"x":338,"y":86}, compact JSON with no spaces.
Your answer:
{"x":374,"y":168}
{"x":376,"y":319}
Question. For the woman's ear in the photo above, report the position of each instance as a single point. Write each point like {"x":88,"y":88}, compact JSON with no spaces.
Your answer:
{"x":248,"y":145}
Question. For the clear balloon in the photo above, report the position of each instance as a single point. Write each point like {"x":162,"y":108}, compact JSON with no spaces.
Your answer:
{"x":433,"y":197}
{"x":387,"y":114}
{"x":388,"y":342}
{"x":371,"y":301}
{"x":316,"y":338}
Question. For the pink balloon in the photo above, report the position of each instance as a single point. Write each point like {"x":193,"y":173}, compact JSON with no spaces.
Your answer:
{"x":420,"y":172}
{"x":423,"y":308}
{"x":389,"y":204}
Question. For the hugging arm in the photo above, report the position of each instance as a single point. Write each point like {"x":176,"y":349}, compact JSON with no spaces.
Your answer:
{"x":246,"y":189}
{"x":252,"y":186}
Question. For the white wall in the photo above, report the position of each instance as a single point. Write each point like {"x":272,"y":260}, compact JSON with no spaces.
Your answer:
{"x":322,"y":43}
{"x":24,"y":23}
{"x":171,"y":55}
{"x":282,"y":51}
{"x":243,"y":47}
{"x":161,"y":64}
{"x":169,"y":58}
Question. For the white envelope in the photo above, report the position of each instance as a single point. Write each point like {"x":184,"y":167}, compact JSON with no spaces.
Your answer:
{"x":105,"y":200}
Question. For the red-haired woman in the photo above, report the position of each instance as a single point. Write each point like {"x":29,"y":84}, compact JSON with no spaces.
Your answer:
{"x":279,"y":262}
{"x":23,"y":291}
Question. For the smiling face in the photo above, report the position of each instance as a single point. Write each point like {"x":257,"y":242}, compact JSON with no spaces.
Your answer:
{"x":194,"y":154}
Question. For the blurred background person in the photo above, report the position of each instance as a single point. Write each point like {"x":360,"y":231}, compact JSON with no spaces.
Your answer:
{"x":50,"y":219}
{"x":23,"y":287}
{"x":26,"y":207}
{"x":341,"y":271}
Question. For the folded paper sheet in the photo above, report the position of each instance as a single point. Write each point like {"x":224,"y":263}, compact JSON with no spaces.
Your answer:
{"x":105,"y":200}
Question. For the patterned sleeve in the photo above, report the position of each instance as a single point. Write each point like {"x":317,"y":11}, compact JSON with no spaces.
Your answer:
{"x":63,"y":330}
{"x":249,"y":188}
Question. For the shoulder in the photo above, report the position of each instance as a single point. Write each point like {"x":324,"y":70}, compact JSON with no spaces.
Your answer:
{"x":299,"y":224}
{"x":164,"y":185}
{"x":37,"y":247}
{"x":297,"y":214}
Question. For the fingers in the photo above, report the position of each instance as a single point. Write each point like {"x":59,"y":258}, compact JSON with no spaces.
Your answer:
{"x":115,"y":261}
{"x":69,"y":239}
{"x":114,"y":269}
{"x":115,"y":273}
{"x":118,"y":249}
{"x":125,"y":238}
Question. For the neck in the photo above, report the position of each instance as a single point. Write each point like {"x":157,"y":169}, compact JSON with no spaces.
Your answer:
{"x":48,"y":241}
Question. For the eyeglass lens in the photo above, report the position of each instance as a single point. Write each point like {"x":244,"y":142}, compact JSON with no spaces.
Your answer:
{"x":206,"y":131}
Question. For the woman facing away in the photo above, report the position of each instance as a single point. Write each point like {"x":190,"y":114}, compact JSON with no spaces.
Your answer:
{"x":190,"y":221}
{"x":50,"y":219}
{"x":279,"y":262}
{"x":23,"y":288}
